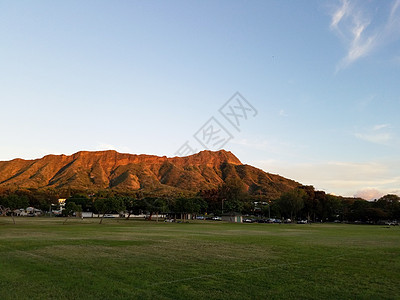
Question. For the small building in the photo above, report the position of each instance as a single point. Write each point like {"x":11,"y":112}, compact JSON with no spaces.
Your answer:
{"x":61,"y":202}
{"x":232,"y":217}
{"x":87,"y":214}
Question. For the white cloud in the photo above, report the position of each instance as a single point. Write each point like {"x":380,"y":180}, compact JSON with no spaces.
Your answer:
{"x":341,"y":178}
{"x":394,"y":18}
{"x":380,"y":126}
{"x":378,"y":134}
{"x":376,"y":138}
{"x":395,"y":7}
{"x":361,"y":30}
{"x":369,"y":194}
{"x":339,"y":14}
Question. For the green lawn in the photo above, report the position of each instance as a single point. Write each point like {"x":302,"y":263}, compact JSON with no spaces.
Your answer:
{"x":43,"y":259}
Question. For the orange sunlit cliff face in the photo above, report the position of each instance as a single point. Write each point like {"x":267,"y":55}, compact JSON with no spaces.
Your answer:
{"x":110,"y":169}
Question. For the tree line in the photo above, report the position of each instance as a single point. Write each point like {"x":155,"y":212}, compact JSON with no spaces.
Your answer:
{"x":307,"y":203}
{"x":230,"y":197}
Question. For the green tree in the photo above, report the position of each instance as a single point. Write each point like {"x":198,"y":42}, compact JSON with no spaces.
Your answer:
{"x":375,"y":214}
{"x":129,"y":203}
{"x":38,"y":198}
{"x":134,"y":204}
{"x":390,"y":204}
{"x":70,"y":209}
{"x":310,"y":202}
{"x":212,"y":200}
{"x":108,"y":205}
{"x":12,"y":202}
{"x":155,"y":205}
{"x":189,"y":205}
{"x":232,"y":194}
{"x":358,"y":210}
{"x":81,"y":199}
{"x":290,"y":203}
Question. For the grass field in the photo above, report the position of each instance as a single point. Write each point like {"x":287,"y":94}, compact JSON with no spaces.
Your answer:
{"x":43,"y":259}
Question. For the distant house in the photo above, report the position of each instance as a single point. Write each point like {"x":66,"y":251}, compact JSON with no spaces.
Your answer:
{"x":31,"y":211}
{"x":87,"y":214}
{"x":61,"y":202}
{"x":232,"y":217}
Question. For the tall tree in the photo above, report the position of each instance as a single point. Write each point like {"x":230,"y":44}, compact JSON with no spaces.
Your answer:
{"x":108,"y":205}
{"x":13,"y":202}
{"x":70,"y":209}
{"x":232,"y":194}
{"x":211,"y":197}
{"x":391,"y":204}
{"x":81,"y":199}
{"x":292,"y":202}
{"x":310,"y":202}
{"x":189,"y":205}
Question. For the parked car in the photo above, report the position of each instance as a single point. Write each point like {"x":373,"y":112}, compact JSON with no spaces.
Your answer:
{"x":302,"y":222}
{"x":394,"y":223}
{"x":249,"y":220}
{"x":217,"y":218}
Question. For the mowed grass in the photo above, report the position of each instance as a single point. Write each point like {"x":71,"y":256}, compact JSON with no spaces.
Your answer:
{"x":43,"y":259}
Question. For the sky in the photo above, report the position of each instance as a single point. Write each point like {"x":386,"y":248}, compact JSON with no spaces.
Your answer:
{"x":306,"y":89}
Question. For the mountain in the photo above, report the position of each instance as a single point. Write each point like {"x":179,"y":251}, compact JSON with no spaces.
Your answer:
{"x":109,"y":169}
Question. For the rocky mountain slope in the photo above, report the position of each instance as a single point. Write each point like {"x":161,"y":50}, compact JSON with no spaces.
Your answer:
{"x":110,"y":169}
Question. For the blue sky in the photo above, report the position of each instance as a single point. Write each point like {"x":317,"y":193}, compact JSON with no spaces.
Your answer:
{"x":145,"y":76}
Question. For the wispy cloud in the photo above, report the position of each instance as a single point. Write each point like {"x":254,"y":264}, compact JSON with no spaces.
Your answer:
{"x":394,"y":19}
{"x":379,"y":127}
{"x":338,"y":15}
{"x":378,"y":134}
{"x":282,"y":113}
{"x":361,"y":29}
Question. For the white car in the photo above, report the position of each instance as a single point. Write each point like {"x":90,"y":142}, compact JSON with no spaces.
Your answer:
{"x":302,"y":222}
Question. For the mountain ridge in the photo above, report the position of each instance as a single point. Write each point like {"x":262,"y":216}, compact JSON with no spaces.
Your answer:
{"x":98,"y":170}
